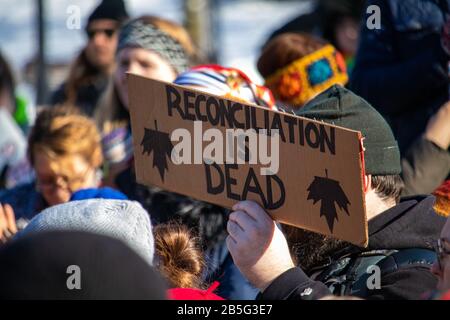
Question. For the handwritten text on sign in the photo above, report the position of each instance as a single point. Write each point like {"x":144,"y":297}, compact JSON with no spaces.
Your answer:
{"x":305,"y":173}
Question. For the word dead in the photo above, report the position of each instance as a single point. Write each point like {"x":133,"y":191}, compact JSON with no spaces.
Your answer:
{"x":222,"y":180}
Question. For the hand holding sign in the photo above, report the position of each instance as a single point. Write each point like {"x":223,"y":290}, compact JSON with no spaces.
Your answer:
{"x":259,"y":249}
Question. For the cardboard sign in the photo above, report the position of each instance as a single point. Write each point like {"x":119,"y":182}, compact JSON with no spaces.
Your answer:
{"x":187,"y":141}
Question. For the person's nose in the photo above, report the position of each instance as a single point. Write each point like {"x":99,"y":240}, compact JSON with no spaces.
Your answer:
{"x":99,"y":39}
{"x":134,"y":68}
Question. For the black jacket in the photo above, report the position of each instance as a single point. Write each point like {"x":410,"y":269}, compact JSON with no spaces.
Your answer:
{"x":87,"y":96}
{"x":411,"y":224}
{"x":401,"y":68}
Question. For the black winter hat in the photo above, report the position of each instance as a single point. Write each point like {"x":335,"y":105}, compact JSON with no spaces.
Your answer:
{"x":343,"y":108}
{"x":111,"y":10}
{"x":352,"y":8}
{"x":40,"y":266}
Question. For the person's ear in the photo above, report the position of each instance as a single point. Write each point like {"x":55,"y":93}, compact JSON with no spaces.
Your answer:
{"x":367,"y":183}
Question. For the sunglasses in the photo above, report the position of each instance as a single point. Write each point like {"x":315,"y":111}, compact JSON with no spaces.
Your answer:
{"x":441,"y":250}
{"x":92,"y":32}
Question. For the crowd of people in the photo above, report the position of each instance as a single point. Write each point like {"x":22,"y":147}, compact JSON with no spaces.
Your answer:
{"x":77,"y":201}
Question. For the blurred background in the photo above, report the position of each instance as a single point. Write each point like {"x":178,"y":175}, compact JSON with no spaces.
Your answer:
{"x":229,"y":32}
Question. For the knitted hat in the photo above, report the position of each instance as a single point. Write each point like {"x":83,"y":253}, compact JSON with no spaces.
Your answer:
{"x":442,"y":205}
{"x":342,"y":107}
{"x":137,"y":34}
{"x":111,"y":10}
{"x":226,"y":82}
{"x":120,"y":219}
{"x":46,"y":265}
{"x":194,"y":294}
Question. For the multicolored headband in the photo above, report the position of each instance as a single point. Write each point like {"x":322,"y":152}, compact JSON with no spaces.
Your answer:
{"x":306,"y":77}
{"x":138,"y":34}
{"x":227,"y":82}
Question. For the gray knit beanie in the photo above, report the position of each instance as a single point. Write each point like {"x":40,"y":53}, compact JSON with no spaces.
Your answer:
{"x":120,"y":219}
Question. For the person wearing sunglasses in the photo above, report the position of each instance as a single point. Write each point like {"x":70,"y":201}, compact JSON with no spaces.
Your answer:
{"x":149,"y":46}
{"x":65,"y":152}
{"x":89,"y":74}
{"x":441,"y":268}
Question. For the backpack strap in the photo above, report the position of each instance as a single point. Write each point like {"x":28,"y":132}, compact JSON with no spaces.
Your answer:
{"x":349,"y":275}
{"x":391,"y":262}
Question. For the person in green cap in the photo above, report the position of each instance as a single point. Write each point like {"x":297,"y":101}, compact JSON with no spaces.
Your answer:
{"x":395,"y":265}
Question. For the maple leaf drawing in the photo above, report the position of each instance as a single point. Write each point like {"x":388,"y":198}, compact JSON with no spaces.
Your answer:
{"x":329,"y":192}
{"x":158,"y":142}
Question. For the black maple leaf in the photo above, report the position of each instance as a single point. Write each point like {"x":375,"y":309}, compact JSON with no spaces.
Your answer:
{"x":160,"y":144}
{"x":328,"y":191}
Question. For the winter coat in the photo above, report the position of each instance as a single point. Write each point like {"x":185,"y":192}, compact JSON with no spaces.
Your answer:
{"x":411,"y":224}
{"x":87,"y":96}
{"x":401,"y":68}
{"x":25,"y":201}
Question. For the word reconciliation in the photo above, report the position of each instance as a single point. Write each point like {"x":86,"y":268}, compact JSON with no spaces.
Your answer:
{"x":194,"y":106}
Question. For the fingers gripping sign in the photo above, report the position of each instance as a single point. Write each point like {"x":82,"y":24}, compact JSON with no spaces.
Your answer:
{"x":259,"y":249}
{"x":249,"y":235}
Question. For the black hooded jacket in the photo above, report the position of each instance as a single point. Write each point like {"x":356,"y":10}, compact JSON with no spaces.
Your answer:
{"x":413,"y":223}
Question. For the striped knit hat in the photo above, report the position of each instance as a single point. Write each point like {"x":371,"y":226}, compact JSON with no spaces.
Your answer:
{"x":227,"y":82}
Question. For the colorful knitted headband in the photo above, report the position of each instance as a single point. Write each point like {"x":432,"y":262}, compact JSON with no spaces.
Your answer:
{"x":227,"y":82}
{"x":146,"y":36}
{"x":306,"y":77}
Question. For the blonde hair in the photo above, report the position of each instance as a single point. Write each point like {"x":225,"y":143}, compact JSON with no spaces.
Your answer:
{"x":62,"y":132}
{"x":180,"y":258}
{"x":110,"y":113}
